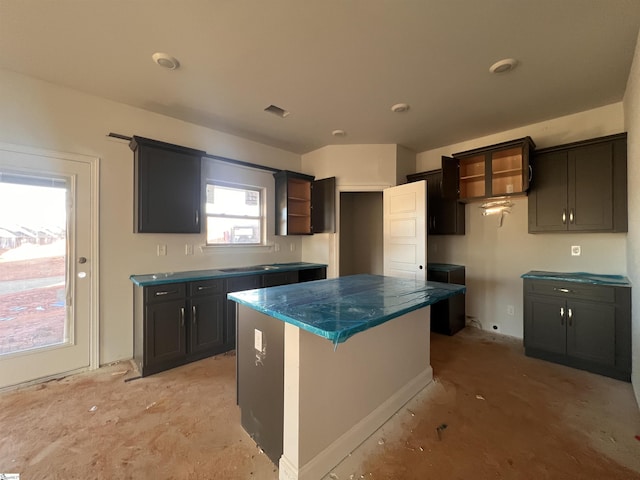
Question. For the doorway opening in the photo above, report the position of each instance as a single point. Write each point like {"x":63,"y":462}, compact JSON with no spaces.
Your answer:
{"x":361,"y":233}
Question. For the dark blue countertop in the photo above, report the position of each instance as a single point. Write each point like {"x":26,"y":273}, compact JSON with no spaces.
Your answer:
{"x":580,"y":277}
{"x":177,"y":277}
{"x":338,"y":308}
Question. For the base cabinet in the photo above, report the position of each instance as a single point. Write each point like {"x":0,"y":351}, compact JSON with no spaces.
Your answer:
{"x":447,"y":316}
{"x":179,"y":323}
{"x":579,"y":325}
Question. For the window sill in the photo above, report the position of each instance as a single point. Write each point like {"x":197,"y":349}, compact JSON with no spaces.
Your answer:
{"x":208,"y":249}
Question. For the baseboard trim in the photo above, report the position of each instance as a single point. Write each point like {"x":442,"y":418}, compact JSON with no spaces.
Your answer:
{"x":331,"y":456}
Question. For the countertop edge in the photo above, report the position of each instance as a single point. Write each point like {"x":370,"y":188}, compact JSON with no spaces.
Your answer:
{"x":211,"y":274}
{"x":579,"y":277}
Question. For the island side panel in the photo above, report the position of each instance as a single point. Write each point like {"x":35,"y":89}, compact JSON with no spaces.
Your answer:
{"x":344,"y":395}
{"x":260,"y":369}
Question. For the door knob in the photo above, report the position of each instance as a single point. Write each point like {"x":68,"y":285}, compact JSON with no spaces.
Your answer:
{"x":82,"y":260}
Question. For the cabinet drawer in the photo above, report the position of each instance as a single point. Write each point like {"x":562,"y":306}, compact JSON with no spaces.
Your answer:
{"x":206,"y":287}
{"x":571,"y":290}
{"x":162,"y":293}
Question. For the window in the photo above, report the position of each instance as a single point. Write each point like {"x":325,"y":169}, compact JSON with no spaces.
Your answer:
{"x":234,"y":214}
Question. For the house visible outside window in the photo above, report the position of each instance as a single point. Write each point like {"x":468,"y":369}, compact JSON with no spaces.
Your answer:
{"x":234,"y":214}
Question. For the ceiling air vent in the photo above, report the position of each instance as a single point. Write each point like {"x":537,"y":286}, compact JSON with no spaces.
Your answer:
{"x":280,"y":112}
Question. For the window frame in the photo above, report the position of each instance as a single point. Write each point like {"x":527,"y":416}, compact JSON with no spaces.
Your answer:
{"x":262,"y":217}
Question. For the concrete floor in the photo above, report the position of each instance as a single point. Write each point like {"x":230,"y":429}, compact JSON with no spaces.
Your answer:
{"x":491,"y":413}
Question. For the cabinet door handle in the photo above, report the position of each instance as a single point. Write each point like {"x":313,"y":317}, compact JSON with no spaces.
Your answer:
{"x":164,"y":292}
{"x":570,"y":315}
{"x":530,"y":173}
{"x":563,"y":290}
{"x":193,"y":314}
{"x":200,"y":288}
{"x":564,"y":216}
{"x":182,"y":316}
{"x":571,"y":217}
{"x":197,"y":217}
{"x":561,"y":315}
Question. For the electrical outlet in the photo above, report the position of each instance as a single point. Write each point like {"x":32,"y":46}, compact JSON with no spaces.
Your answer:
{"x":511,"y":310}
{"x":292,"y":247}
{"x":257,"y":339}
{"x":161,"y":250}
{"x":276,"y":247}
{"x":576,"y":250}
{"x":188,"y":249}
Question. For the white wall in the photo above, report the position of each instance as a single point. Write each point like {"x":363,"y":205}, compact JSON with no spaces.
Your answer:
{"x":632,"y":124}
{"x":39,"y":114}
{"x":356,"y":168}
{"x":496,"y":257}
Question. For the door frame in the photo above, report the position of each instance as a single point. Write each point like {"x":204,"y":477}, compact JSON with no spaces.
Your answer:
{"x":94,"y":232}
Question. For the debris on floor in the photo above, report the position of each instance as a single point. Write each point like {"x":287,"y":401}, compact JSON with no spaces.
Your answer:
{"x":93,"y":409}
{"x":480,"y":397}
{"x":439,"y":430}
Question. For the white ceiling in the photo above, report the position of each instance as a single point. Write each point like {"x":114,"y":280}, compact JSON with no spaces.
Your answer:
{"x":334,"y":64}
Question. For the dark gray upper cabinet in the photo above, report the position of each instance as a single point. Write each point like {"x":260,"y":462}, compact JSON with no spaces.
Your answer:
{"x":493,"y":171}
{"x":304,"y":206}
{"x":167,"y":187}
{"x":444,"y":216}
{"x":580,"y":187}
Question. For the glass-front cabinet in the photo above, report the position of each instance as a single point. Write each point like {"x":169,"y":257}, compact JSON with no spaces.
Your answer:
{"x":493,"y":171}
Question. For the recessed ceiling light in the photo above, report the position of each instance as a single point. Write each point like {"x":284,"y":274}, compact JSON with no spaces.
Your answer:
{"x":165,"y":60}
{"x":400,"y":107}
{"x":339,"y":133}
{"x":503,"y":66}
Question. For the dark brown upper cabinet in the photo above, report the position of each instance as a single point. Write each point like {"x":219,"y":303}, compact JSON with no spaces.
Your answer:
{"x":580,"y":187}
{"x":444,"y":216}
{"x":167,"y":187}
{"x":304,"y":206}
{"x":494,"y":171}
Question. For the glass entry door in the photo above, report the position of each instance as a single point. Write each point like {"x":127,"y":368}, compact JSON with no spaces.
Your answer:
{"x":45,"y":265}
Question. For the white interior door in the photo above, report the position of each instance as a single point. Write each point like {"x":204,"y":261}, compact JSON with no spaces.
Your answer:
{"x":48,"y":313}
{"x":404,"y":232}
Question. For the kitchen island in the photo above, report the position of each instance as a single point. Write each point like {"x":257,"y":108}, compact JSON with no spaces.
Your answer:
{"x":322,"y":365}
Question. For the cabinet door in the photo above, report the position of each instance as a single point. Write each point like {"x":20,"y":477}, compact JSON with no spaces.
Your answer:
{"x":450,"y":178}
{"x":544,"y":323}
{"x":279,"y":278}
{"x":323,"y":206}
{"x":590,"y":188}
{"x":164,"y":332}
{"x":548,"y":197}
{"x":207,"y":323}
{"x":167,"y":183}
{"x":591,"y":332}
